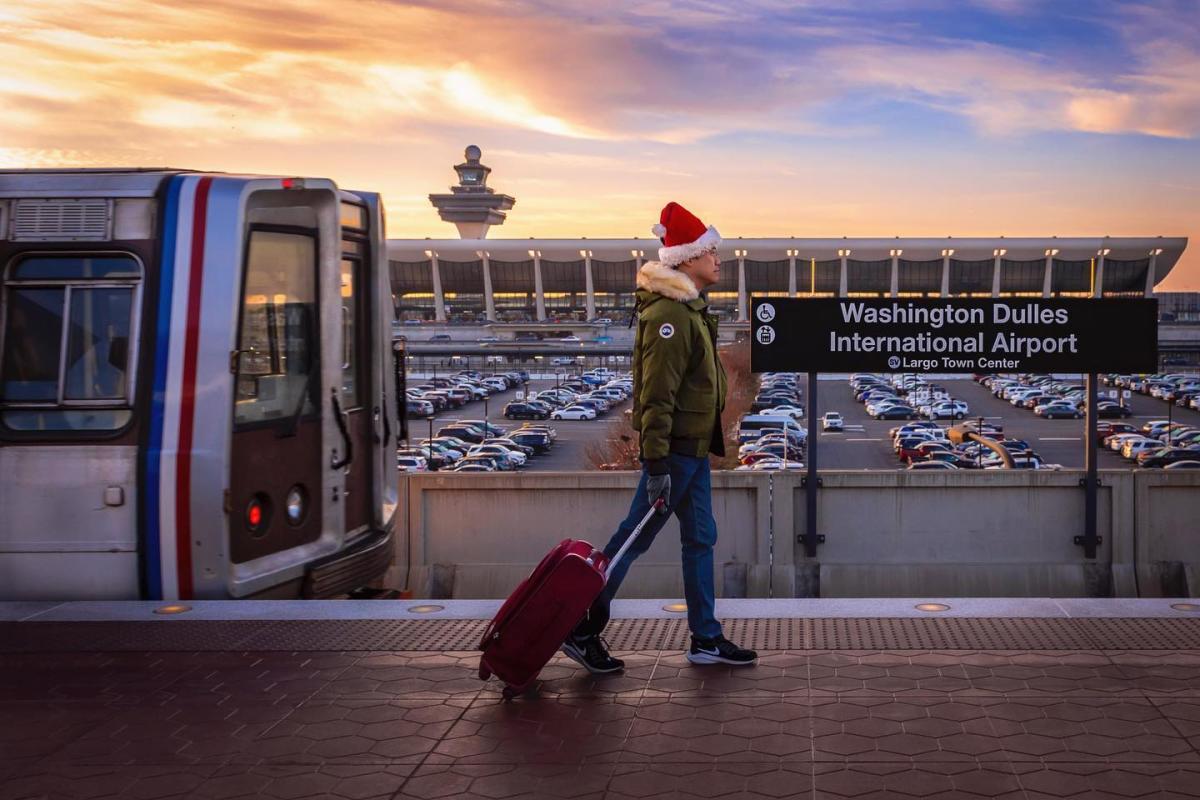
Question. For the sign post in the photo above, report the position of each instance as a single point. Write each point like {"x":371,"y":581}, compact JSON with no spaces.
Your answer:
{"x":1042,"y":335}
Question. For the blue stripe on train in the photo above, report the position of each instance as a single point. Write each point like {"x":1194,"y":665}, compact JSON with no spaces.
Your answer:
{"x":162,"y":347}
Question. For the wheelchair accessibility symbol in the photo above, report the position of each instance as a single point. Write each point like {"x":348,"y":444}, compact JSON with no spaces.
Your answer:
{"x":765,"y":334}
{"x":766,"y":312}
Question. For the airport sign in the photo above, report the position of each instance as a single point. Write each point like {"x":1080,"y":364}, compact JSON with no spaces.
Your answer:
{"x":1039,"y":335}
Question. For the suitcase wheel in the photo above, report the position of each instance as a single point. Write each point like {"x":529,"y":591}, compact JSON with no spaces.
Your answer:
{"x":484,"y":673}
{"x":509,"y":693}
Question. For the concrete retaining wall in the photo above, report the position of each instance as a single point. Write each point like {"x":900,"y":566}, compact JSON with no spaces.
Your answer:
{"x":888,"y":534}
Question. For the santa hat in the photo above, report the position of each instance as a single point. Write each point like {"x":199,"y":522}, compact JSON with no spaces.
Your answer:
{"x":683,"y":235}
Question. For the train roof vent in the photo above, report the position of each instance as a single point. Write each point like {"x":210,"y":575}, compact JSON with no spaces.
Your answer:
{"x":57,"y":219}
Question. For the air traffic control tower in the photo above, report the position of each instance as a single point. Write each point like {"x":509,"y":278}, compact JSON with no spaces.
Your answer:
{"x":472,"y":205}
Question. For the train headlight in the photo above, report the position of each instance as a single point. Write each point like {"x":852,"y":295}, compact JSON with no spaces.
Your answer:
{"x":297,"y":505}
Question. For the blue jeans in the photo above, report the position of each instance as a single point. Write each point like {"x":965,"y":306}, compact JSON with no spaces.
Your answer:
{"x":691,"y":501}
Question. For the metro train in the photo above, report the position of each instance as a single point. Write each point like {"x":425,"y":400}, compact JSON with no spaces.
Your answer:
{"x":198,"y":394}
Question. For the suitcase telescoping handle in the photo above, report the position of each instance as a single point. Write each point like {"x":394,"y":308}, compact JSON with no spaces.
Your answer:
{"x":659,"y":503}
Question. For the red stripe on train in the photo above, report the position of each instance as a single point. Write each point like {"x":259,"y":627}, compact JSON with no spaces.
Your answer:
{"x":187,"y":399}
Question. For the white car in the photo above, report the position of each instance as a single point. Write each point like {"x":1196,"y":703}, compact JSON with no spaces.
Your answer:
{"x":515,"y":456}
{"x":876,"y":406}
{"x":1117,"y":441}
{"x":944,"y":409}
{"x":412,"y":464}
{"x":1133,"y":448}
{"x":1022,"y":462}
{"x":772,"y":465}
{"x":795,"y":412}
{"x":574,"y":412}
{"x":570,"y":340}
{"x":832,"y":421}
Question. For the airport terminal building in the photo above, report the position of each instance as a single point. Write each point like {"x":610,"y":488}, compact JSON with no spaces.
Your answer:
{"x":529,"y":280}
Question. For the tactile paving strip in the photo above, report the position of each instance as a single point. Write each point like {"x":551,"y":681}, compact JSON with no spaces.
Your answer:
{"x":947,"y":633}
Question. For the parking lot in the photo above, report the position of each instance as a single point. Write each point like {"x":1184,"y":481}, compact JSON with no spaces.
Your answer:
{"x":865,"y":443}
{"x":569,"y":451}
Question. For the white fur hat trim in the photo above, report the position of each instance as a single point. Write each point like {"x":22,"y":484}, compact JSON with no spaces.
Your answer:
{"x":674,"y":256}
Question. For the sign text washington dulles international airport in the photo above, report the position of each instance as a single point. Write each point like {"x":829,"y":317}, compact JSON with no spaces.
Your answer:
{"x":901,"y":335}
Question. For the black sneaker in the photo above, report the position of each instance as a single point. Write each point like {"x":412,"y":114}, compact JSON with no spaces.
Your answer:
{"x":719,"y":650}
{"x":592,"y":653}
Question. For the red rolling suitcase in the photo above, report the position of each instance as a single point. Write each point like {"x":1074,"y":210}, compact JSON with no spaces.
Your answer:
{"x":535,"y":619}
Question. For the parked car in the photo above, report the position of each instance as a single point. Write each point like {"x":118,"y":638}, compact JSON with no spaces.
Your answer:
{"x":1166,"y":455}
{"x":467,"y":433}
{"x":419,"y":408}
{"x":1107,"y":409}
{"x":412,"y":464}
{"x":491,"y":429}
{"x":519,"y":410}
{"x":896,"y":412}
{"x":1107,"y":429}
{"x":496,"y":462}
{"x":832,"y":421}
{"x":1135,"y":447}
{"x":539,"y":441}
{"x":545,"y":429}
{"x":948,"y":409}
{"x":575,"y":412}
{"x":515,"y":458}
{"x":1058,"y":410}
{"x":958,"y":460}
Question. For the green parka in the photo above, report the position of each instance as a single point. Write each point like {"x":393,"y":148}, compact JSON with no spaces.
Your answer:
{"x":678,"y":381}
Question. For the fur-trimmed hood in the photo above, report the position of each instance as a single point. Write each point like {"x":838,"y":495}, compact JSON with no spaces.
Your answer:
{"x":671,"y":283}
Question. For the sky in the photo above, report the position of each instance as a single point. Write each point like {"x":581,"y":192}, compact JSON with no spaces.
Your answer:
{"x":764,"y":117}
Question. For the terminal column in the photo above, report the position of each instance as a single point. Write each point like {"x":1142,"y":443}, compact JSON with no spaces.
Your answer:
{"x":792,"y":272}
{"x":539,"y":296}
{"x":489,"y":299}
{"x":945,"y":288}
{"x":999,"y":256}
{"x":895,"y":285}
{"x":1047,"y":279}
{"x":742,"y":311}
{"x":844,"y":274}
{"x":590,"y":286}
{"x":1150,"y":272}
{"x":1098,"y":277}
{"x":439,"y":298}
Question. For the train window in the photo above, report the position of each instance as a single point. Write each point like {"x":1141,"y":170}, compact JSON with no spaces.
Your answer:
{"x":353,"y":216}
{"x":349,"y":332}
{"x":70,"y":268}
{"x":66,"y":363}
{"x":278,"y":340}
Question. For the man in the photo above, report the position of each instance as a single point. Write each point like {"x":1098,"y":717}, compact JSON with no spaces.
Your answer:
{"x":678,"y":395}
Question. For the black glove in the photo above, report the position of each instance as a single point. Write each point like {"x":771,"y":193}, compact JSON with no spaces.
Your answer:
{"x":658,"y":484}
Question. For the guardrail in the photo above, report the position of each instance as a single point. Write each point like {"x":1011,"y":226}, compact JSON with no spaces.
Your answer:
{"x":887,"y":534}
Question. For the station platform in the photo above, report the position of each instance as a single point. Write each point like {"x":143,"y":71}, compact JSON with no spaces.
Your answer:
{"x":1013,"y":698}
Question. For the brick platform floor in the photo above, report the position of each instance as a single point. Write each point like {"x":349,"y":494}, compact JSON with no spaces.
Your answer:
{"x":805,"y":724}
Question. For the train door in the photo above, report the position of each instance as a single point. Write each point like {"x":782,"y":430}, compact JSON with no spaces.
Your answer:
{"x":275,"y":500}
{"x":356,"y":393}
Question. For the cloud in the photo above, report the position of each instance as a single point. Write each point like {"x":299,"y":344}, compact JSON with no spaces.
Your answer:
{"x":230,"y":71}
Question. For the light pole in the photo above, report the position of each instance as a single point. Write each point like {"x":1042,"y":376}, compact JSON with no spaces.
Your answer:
{"x":1170,"y":405}
{"x":432,"y":465}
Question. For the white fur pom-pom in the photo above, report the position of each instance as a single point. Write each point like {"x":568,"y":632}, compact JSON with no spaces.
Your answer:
{"x":659,"y":230}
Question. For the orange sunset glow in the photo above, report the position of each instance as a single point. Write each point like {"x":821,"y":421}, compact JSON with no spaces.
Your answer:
{"x":824,"y":118}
